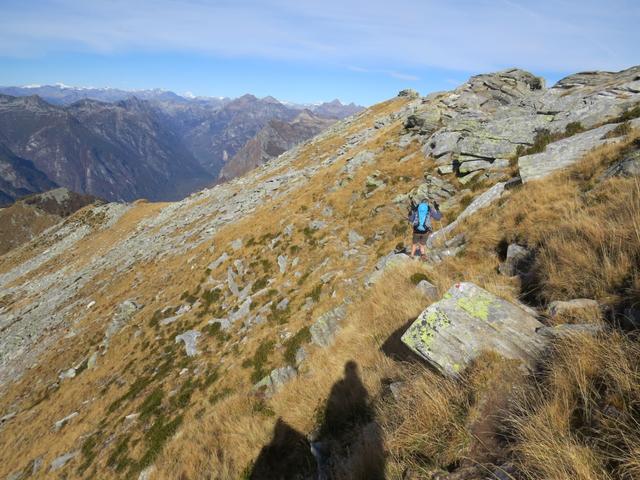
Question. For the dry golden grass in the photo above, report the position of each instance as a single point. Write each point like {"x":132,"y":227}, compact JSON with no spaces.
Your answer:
{"x":580,"y":419}
{"x":585,"y":235}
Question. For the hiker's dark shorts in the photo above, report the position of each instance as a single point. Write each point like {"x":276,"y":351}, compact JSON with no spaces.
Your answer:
{"x":420,"y":238}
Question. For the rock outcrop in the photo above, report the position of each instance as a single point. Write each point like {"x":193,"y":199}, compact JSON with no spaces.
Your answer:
{"x":468,"y":320}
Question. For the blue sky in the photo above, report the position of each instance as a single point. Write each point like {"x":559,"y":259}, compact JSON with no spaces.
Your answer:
{"x":306,"y":51}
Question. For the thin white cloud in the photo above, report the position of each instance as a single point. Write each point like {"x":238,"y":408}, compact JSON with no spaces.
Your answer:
{"x":388,"y":73}
{"x":394,"y":36}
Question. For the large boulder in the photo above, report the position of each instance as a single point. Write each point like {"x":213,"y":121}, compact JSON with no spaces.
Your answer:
{"x":468,"y":320}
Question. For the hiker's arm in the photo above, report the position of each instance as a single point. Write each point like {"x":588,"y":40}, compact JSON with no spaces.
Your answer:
{"x":435,"y":214}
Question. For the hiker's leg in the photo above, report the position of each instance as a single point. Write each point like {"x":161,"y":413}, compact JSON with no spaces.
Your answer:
{"x":414,"y":247}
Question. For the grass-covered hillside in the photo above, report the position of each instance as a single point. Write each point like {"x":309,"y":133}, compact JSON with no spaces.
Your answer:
{"x":252,"y":331}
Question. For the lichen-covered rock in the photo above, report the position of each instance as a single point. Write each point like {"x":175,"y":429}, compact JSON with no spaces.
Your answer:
{"x":468,"y":320}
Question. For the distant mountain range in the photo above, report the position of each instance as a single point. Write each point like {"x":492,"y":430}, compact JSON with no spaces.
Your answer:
{"x":155,"y":144}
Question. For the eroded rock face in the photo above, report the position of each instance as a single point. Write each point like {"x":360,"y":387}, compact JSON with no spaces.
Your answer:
{"x":482,"y":123}
{"x":566,"y":152}
{"x":452,"y":332}
{"x":324,"y":329}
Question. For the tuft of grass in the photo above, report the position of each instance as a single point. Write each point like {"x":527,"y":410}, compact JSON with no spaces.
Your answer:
{"x":316,"y":292}
{"x":155,"y":438}
{"x":259,"y":284}
{"x":259,"y":361}
{"x":210,"y":378}
{"x":136,"y":387}
{"x":151,"y":404}
{"x":88,"y":452}
{"x":544,"y":137}
{"x":211,"y":296}
{"x":183,"y":397}
{"x":620,"y":131}
{"x":579,"y":419}
{"x":215,"y":330}
{"x":119,"y":459}
{"x":302,"y":337}
{"x":220,"y":395}
{"x":417,"y":277}
{"x":573,"y":128}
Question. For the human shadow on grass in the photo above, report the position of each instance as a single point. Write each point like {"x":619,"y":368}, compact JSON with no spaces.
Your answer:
{"x":347,"y":443}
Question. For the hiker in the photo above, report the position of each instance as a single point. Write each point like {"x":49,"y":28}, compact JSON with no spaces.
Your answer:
{"x":420,"y":216}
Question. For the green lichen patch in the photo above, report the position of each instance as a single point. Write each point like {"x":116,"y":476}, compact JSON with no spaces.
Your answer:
{"x":477,"y":306}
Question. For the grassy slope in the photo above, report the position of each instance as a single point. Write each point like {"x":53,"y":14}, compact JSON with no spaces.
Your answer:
{"x":221,"y":426}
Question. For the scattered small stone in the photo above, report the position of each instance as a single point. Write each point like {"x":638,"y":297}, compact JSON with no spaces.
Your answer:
{"x":565,"y":330}
{"x":282,"y":263}
{"x":183,"y":309}
{"x":276,"y":379}
{"x":91,"y":304}
{"x":283,"y":304}
{"x":7,"y":418}
{"x":514,"y":263}
{"x":317,"y":224}
{"x":146,"y":473}
{"x":355,"y":238}
{"x":574,"y":308}
{"x":219,"y":261}
{"x":62,"y":422}
{"x":301,"y":356}
{"x":288,"y":230}
{"x":62,"y":460}
{"x":396,"y":389}
{"x":190,"y":338}
{"x":71,"y":373}
{"x":131,"y":417}
{"x":427,"y":289}
{"x":236,"y":244}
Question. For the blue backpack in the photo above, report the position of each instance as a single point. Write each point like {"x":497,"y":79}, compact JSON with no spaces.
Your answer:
{"x":421,"y":218}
